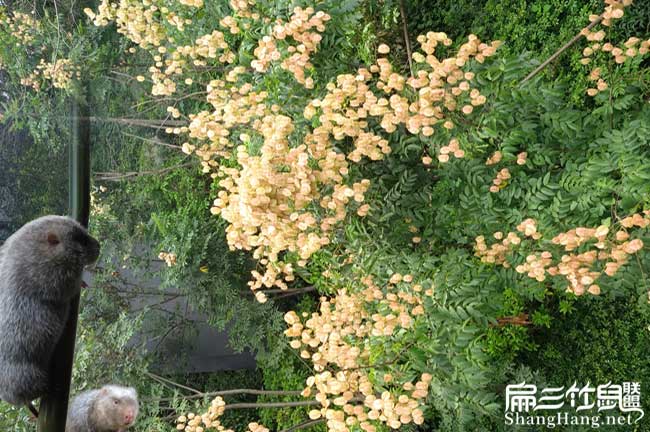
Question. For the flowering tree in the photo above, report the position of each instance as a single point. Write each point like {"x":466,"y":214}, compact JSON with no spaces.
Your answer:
{"x":377,"y":186}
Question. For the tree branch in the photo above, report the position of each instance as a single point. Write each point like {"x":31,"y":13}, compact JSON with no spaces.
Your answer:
{"x":402,"y":11}
{"x":152,"y":141}
{"x":155,"y":124}
{"x":304,"y":425}
{"x":557,"y":53}
{"x":237,"y":392}
{"x":170,"y":382}
{"x":254,"y":405}
{"x":107,"y":176}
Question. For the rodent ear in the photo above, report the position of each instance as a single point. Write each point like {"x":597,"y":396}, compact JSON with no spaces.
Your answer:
{"x":53,"y":239}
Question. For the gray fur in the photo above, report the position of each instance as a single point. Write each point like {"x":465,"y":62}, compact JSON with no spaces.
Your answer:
{"x":97,"y":410}
{"x":38,"y":278}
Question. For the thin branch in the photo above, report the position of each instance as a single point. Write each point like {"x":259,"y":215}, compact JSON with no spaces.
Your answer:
{"x":155,"y":124}
{"x":291,"y":294}
{"x":256,"y":392}
{"x":152,"y":141}
{"x":304,"y":425}
{"x":107,"y":176}
{"x":175,"y":99}
{"x":236,"y":392}
{"x":254,"y":405}
{"x":288,"y":291}
{"x":168,"y":381}
{"x":122,"y":74}
{"x":645,"y":282}
{"x":557,"y":53}
{"x":517,"y":320}
{"x":402,"y":10}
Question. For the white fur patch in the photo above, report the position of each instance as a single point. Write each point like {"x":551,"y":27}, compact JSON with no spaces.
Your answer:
{"x":121,"y":392}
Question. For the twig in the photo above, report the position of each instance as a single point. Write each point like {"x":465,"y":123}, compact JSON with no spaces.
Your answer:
{"x":106,"y":176}
{"x":175,"y":99}
{"x":155,"y":124}
{"x":557,"y":53}
{"x":151,"y":140}
{"x":304,"y":425}
{"x":291,"y":294}
{"x":280,"y":291}
{"x":290,"y":291}
{"x":122,"y":74}
{"x":237,"y":392}
{"x":168,"y":381}
{"x":58,"y":31}
{"x":406,"y":35}
{"x":645,"y":282}
{"x":247,"y":405}
{"x":517,"y":320}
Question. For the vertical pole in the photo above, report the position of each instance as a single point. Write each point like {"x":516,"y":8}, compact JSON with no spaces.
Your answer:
{"x":54,"y":405}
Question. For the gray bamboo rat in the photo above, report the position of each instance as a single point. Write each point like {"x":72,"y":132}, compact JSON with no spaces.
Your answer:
{"x":111,"y":408}
{"x":41,"y":266}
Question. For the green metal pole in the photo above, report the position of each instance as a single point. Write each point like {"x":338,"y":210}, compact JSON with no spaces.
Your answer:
{"x":54,"y":405}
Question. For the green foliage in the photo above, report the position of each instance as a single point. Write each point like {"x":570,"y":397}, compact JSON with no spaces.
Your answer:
{"x":289,"y":374}
{"x":504,"y":342}
{"x":588,"y":164}
{"x":602,"y":340}
{"x":538,"y":26}
{"x":581,"y":163}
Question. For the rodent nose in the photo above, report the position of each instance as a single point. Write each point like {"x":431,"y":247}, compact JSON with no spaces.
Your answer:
{"x":128,"y":418}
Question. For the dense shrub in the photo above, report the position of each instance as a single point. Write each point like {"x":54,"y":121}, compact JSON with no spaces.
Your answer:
{"x":450,"y":224}
{"x":541,"y":27}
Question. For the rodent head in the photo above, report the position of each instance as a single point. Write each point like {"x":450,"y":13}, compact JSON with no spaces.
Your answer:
{"x":60,"y":240}
{"x":116,"y":407}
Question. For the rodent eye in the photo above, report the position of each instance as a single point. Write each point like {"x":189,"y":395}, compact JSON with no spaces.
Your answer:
{"x":116,"y":401}
{"x":53,"y":239}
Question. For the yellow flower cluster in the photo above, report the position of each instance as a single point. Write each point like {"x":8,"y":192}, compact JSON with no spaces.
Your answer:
{"x":536,"y":265}
{"x":21,"y":26}
{"x":242,"y":6}
{"x":98,"y":207}
{"x":500,"y":181}
{"x":209,"y":46}
{"x":521,"y":158}
{"x":496,"y":253}
{"x":142,"y":22}
{"x":138,"y":20}
{"x":231,"y":24}
{"x":210,"y":419}
{"x":300,"y":29}
{"x":60,"y":73}
{"x":168,"y":257}
{"x":24,"y":29}
{"x":629,"y":49}
{"x":337,"y":342}
{"x":268,"y":200}
{"x":32,"y":80}
{"x":494,"y":159}
{"x":452,"y":148}
{"x":419,"y":103}
{"x":192,"y":3}
{"x":576,"y":268}
{"x":282,"y":201}
{"x":273,"y":200}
